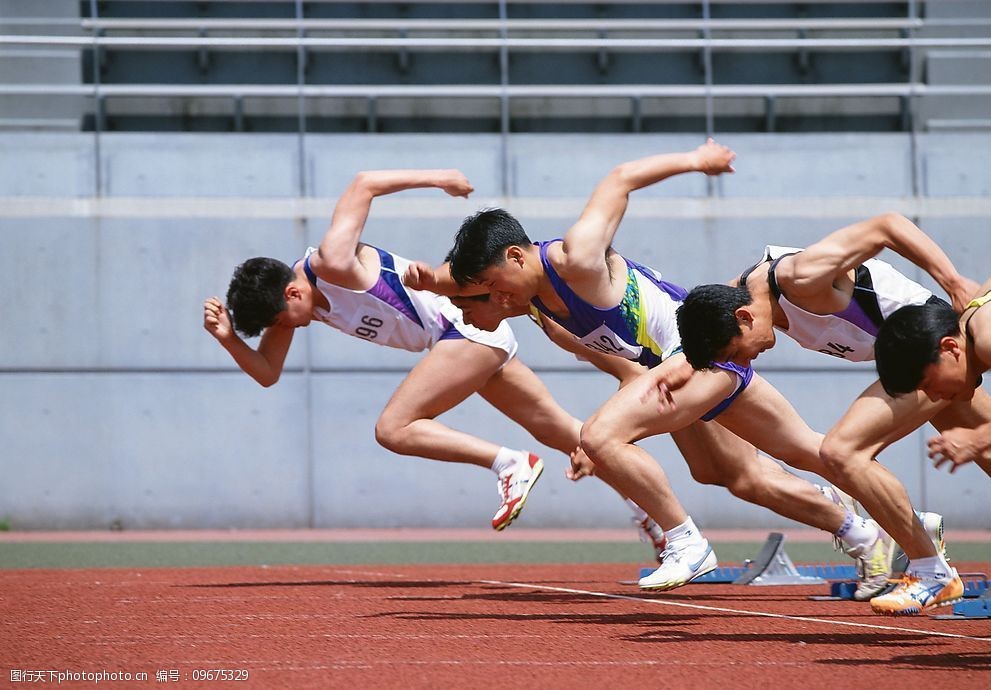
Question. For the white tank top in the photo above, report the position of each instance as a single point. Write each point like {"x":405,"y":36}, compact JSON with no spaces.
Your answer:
{"x":388,"y":313}
{"x":879,"y":289}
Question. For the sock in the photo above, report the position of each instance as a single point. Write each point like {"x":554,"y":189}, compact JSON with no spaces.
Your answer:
{"x":684,"y":534}
{"x":929,"y":567}
{"x":857,"y":533}
{"x":506,"y":458}
{"x":640,"y":517}
{"x":638,"y":512}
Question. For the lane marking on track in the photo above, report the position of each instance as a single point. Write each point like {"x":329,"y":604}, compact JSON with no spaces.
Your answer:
{"x":720,"y":609}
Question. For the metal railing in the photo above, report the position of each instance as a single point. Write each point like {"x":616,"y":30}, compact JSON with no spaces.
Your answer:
{"x":505,"y":41}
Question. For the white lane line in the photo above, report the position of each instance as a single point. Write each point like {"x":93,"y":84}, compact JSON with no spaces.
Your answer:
{"x":763,"y":614}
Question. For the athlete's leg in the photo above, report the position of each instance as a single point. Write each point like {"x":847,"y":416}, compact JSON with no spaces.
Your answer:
{"x":765,"y":418}
{"x":449,"y":373}
{"x":968,"y":414}
{"x":610,"y":434}
{"x":519,"y":394}
{"x":849,"y":451}
{"x":717,"y":456}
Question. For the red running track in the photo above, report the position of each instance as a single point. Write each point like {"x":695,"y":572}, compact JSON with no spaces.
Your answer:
{"x":480,"y":626}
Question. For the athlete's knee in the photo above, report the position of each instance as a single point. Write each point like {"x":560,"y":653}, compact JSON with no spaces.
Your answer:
{"x":389,"y":433}
{"x":746,"y":486}
{"x":840,"y":458}
{"x":598,"y":440}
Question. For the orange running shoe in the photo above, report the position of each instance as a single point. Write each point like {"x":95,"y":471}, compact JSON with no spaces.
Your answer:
{"x":915,"y":594}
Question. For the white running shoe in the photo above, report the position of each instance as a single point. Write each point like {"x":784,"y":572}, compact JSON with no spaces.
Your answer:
{"x":514,"y":486}
{"x":874,"y":568}
{"x":651,"y":533}
{"x":681,"y":567}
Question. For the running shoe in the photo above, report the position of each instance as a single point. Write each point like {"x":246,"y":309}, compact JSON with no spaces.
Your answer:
{"x":651,"y":533}
{"x":681,"y":566}
{"x":915,"y":594}
{"x":514,"y":486}
{"x":874,"y":568}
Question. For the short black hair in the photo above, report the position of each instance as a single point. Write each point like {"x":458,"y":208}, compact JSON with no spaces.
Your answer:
{"x":481,"y":241}
{"x":707,"y":321}
{"x":908,"y":342}
{"x":256,"y":294}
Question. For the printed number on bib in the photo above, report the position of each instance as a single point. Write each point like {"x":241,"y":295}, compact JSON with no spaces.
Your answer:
{"x":836,"y":350}
{"x":371,"y":327}
{"x":603,"y":339}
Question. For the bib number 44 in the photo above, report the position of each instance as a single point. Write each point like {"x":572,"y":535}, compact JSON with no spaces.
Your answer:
{"x":836,"y":350}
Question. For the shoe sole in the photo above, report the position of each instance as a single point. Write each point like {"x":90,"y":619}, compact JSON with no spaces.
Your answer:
{"x":538,"y":470}
{"x":917,"y":611}
{"x":664,"y":586}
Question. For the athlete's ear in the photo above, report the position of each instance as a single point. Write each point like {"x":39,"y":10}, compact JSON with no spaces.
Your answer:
{"x":949,"y":345}
{"x":292,"y":292}
{"x":744,"y":316}
{"x":515,"y":255}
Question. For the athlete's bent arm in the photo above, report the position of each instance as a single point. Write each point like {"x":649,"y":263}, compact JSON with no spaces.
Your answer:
{"x":814,"y":270}
{"x":337,"y":260}
{"x":586,"y":243}
{"x":264,"y":365}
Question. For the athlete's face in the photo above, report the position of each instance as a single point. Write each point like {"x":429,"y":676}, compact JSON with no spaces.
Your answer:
{"x":481,"y":312}
{"x":756,"y":336}
{"x":947,"y":378}
{"x":508,"y":281}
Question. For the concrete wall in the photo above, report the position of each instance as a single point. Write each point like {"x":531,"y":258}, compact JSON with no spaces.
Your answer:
{"x":116,"y":408}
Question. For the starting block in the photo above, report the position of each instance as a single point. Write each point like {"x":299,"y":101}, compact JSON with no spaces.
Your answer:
{"x":772,"y":566}
{"x":972,"y":606}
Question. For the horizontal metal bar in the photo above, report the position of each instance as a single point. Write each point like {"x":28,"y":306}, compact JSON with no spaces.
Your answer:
{"x":495,"y":91}
{"x":645,"y":24}
{"x":474,"y":44}
{"x":530,"y":207}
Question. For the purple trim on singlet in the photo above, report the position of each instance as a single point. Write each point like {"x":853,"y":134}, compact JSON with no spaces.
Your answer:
{"x":745,"y":374}
{"x":450,"y":331}
{"x":856,"y":315}
{"x":585,"y":318}
{"x":389,"y":288}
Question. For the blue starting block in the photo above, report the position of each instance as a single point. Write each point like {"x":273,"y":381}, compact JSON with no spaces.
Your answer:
{"x":975,"y":585}
{"x":772,"y":566}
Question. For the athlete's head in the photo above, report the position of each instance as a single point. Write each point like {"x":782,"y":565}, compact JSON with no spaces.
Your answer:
{"x":483,"y":312}
{"x":264,"y":292}
{"x":920,"y":347}
{"x":721,"y":323}
{"x":490,"y":249}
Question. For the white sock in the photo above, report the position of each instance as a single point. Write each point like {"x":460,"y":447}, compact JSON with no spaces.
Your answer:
{"x":506,"y":458}
{"x":640,"y":516}
{"x":857,"y":533}
{"x":684,"y":534}
{"x":929,"y":567}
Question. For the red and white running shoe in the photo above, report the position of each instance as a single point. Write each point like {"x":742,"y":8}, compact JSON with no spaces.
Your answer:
{"x":514,"y":486}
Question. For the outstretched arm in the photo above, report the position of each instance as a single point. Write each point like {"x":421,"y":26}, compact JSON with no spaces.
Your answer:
{"x":623,"y":370}
{"x":264,"y":365}
{"x":422,"y":276}
{"x":337,"y":259}
{"x":814,"y":270}
{"x":586,"y":243}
